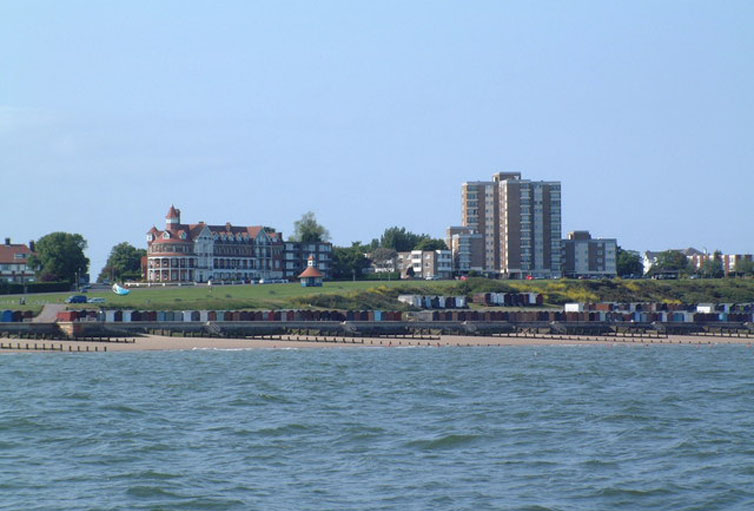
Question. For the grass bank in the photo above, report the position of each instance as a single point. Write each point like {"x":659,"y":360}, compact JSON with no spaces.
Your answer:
{"x":382,"y":295}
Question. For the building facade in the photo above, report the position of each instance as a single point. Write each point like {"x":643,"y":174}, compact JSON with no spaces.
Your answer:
{"x":584,"y":256}
{"x":296,"y":256}
{"x":14,"y":259}
{"x":728,"y":261}
{"x":693,"y":255}
{"x":425,"y":264}
{"x":520,"y":222}
{"x":202,"y":252}
{"x":467,"y":249}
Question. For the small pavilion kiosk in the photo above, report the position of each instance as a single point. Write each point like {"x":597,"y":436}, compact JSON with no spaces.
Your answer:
{"x":311,"y":276}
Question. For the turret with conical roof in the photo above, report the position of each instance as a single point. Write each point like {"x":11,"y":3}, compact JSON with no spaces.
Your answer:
{"x":173,"y":218}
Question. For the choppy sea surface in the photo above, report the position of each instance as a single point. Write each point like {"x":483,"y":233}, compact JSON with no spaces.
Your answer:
{"x":519,"y":428}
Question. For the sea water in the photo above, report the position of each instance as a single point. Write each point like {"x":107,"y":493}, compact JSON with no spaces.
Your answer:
{"x":529,"y":428}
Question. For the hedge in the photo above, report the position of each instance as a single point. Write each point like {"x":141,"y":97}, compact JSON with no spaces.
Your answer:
{"x":14,"y":288}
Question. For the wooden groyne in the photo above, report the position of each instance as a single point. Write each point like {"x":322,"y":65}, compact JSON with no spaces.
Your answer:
{"x":60,"y":347}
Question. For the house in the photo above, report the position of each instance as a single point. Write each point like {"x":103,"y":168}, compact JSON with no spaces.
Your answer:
{"x":14,"y":262}
{"x":201,"y":252}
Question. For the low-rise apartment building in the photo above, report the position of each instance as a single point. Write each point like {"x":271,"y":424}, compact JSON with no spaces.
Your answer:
{"x":467,"y":249}
{"x":426,"y":264}
{"x":729,"y":261}
{"x":584,"y":256}
{"x":296,"y":256}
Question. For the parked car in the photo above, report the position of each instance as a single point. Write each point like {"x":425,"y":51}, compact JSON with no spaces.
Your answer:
{"x":96,"y":299}
{"x":76,"y":299}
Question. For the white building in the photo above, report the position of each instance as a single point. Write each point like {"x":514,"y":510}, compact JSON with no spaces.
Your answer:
{"x":201,"y":252}
{"x":426,"y":264}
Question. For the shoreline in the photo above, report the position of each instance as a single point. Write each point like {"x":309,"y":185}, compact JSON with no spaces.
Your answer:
{"x":164,"y":343}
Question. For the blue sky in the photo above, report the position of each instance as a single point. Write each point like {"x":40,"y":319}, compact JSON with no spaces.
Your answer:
{"x":372,"y":114}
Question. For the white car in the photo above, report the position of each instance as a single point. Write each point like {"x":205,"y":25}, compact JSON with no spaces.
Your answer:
{"x":96,"y":299}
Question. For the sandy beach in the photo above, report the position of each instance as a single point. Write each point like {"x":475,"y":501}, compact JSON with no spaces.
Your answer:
{"x":161,"y":343}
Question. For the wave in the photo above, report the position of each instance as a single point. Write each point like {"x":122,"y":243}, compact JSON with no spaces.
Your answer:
{"x":120,"y":408}
{"x":444,"y":442}
{"x":148,"y":492}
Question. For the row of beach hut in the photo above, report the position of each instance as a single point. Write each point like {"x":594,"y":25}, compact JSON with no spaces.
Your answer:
{"x":509,"y":299}
{"x":651,"y":307}
{"x":130,"y":316}
{"x":9,"y":316}
{"x":434,"y":302}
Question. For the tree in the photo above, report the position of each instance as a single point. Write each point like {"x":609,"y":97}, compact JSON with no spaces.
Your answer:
{"x":349,"y":262}
{"x":712,"y":268}
{"x":383,"y":259}
{"x":308,"y":230}
{"x":628,"y":263}
{"x":60,"y":256}
{"x":124,"y":263}
{"x":400,"y":239}
{"x":431,"y":244}
{"x":744,"y":267}
{"x":671,"y":261}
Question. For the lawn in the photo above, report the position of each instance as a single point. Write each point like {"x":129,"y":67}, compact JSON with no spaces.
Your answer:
{"x":382,"y":294}
{"x":267,"y":296}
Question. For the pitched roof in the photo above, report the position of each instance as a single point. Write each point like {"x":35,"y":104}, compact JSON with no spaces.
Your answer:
{"x":160,"y":240}
{"x":8,"y":253}
{"x":311,"y":271}
{"x":192,"y":231}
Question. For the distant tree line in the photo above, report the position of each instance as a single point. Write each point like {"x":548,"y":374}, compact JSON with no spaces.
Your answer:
{"x":59,"y":256}
{"x":351,"y":262}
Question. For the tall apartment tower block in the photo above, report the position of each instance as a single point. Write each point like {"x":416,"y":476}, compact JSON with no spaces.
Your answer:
{"x":520,"y":223}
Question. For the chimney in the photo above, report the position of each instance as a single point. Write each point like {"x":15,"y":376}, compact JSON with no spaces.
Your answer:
{"x":7,"y":242}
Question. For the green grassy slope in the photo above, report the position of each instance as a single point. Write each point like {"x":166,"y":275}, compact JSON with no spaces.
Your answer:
{"x":382,"y":295}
